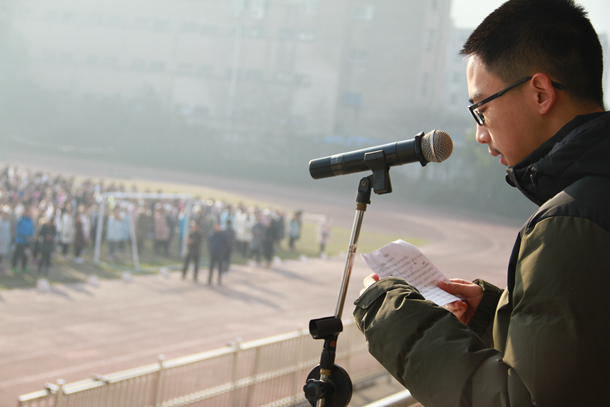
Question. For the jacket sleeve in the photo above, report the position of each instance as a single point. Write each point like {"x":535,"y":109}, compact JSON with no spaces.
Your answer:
{"x":482,"y":320}
{"x":430,"y":352}
{"x":551,"y":332}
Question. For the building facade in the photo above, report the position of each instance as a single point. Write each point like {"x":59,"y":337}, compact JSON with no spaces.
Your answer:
{"x":370,"y":69}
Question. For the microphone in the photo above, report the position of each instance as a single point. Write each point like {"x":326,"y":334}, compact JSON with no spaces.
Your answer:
{"x":436,"y":146}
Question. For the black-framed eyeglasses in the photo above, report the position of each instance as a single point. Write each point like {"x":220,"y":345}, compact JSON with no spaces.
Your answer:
{"x":478,"y":116}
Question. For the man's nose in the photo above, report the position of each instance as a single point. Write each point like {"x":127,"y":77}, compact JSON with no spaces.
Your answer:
{"x":482,"y":135}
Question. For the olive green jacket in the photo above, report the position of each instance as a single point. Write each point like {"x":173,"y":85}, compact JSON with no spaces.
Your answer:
{"x":545,"y":339}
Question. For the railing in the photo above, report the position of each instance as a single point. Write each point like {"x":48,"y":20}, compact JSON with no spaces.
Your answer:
{"x":267,"y":372}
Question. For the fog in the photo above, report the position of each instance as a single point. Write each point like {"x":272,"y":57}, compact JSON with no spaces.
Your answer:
{"x":246,"y":89}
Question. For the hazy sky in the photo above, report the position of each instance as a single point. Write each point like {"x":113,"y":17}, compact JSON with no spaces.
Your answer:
{"x":469,"y":13}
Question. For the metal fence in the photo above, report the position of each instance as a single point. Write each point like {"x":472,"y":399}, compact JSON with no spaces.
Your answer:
{"x":267,"y":372}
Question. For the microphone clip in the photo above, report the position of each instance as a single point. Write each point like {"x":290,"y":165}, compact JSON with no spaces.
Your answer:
{"x":376,"y":161}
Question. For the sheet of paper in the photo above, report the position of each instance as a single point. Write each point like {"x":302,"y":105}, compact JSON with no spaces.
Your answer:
{"x":403,"y":260}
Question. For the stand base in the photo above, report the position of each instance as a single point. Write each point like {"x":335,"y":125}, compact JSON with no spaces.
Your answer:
{"x":342,"y":387}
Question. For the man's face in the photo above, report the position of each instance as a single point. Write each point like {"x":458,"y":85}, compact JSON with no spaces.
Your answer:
{"x":508,"y":128}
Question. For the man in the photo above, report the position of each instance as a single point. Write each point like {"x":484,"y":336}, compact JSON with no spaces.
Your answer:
{"x":193,"y":245}
{"x":218,"y":249}
{"x":24,"y":235}
{"x":534,"y":75}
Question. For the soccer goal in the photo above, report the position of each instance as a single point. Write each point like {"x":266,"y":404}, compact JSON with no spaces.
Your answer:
{"x":108,"y":197}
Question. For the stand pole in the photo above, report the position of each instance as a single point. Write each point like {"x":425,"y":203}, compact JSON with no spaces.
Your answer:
{"x":329,"y":385}
{"x":353,"y":243}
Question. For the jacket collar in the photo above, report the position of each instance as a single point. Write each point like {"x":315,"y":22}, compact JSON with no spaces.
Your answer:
{"x":578,"y":149}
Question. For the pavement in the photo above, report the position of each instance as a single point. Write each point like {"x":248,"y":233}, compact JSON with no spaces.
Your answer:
{"x":75,"y":330}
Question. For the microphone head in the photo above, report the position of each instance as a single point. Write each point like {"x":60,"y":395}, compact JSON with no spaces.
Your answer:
{"x":436,"y":146}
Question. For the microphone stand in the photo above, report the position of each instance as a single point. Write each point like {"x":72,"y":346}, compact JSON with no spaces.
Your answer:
{"x":329,"y":385}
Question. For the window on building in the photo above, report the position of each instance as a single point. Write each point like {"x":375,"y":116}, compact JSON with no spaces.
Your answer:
{"x":183,"y":109}
{"x":310,"y":7}
{"x":257,"y":32}
{"x":65,"y":57}
{"x":201,"y":111}
{"x":424,"y":84}
{"x":22,"y":12}
{"x":185,"y":68}
{"x":190,"y":26}
{"x":286,"y":34}
{"x":207,"y":29}
{"x":142,"y":23}
{"x":161,"y":25}
{"x":298,"y":121}
{"x":157,"y":66}
{"x":257,"y":9}
{"x":357,"y":56}
{"x":52,"y":15}
{"x":302,"y":80}
{"x":430,"y":43}
{"x":48,"y":56}
{"x":254,"y":75}
{"x":363,"y":12}
{"x":96,"y":19}
{"x":69,"y":17}
{"x":307,"y":35}
{"x":283,"y":77}
{"x":204,"y":70}
{"x":353,"y":99}
{"x":138,"y":64}
{"x":114,"y":21}
{"x":93,"y":60}
{"x":111,"y":62}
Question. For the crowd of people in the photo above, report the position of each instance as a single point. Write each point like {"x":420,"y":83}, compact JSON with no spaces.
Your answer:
{"x":44,"y":215}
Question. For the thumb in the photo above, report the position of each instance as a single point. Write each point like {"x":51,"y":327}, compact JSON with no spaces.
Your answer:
{"x":445,"y":285}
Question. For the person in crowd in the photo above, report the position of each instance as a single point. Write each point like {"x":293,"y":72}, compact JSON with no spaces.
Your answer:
{"x":114,"y":231}
{"x":324,"y":230}
{"x":294,"y":229}
{"x":46,"y":236}
{"x":535,"y":80}
{"x":171,"y":217}
{"x":278,"y":223}
{"x":66,"y":235}
{"x":193,"y":245}
{"x":144,"y":223}
{"x":92,"y":213}
{"x":226,"y":215}
{"x":244,"y":221}
{"x":229,"y":235}
{"x":82,"y":229}
{"x":24,"y":236}
{"x":258,"y":239}
{"x":6,"y":236}
{"x":269,"y":238}
{"x":161,"y":232}
{"x":217,"y":248}
{"x":207,"y":222}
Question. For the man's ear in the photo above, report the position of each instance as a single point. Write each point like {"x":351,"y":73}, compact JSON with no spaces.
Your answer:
{"x":544,"y":91}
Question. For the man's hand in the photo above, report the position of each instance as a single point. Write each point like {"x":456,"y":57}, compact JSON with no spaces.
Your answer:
{"x":471,"y":294}
{"x":368,"y":281}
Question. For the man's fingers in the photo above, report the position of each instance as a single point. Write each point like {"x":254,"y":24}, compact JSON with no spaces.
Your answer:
{"x":457,"y":308}
{"x":460,"y":287}
{"x":368,"y":281}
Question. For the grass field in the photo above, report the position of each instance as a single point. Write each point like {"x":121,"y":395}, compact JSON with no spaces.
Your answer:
{"x":65,"y":270}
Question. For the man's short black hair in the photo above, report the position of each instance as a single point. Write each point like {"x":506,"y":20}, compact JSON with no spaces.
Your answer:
{"x":554,"y":37}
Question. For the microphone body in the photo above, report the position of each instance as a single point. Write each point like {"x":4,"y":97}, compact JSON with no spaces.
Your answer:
{"x":436,"y":146}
